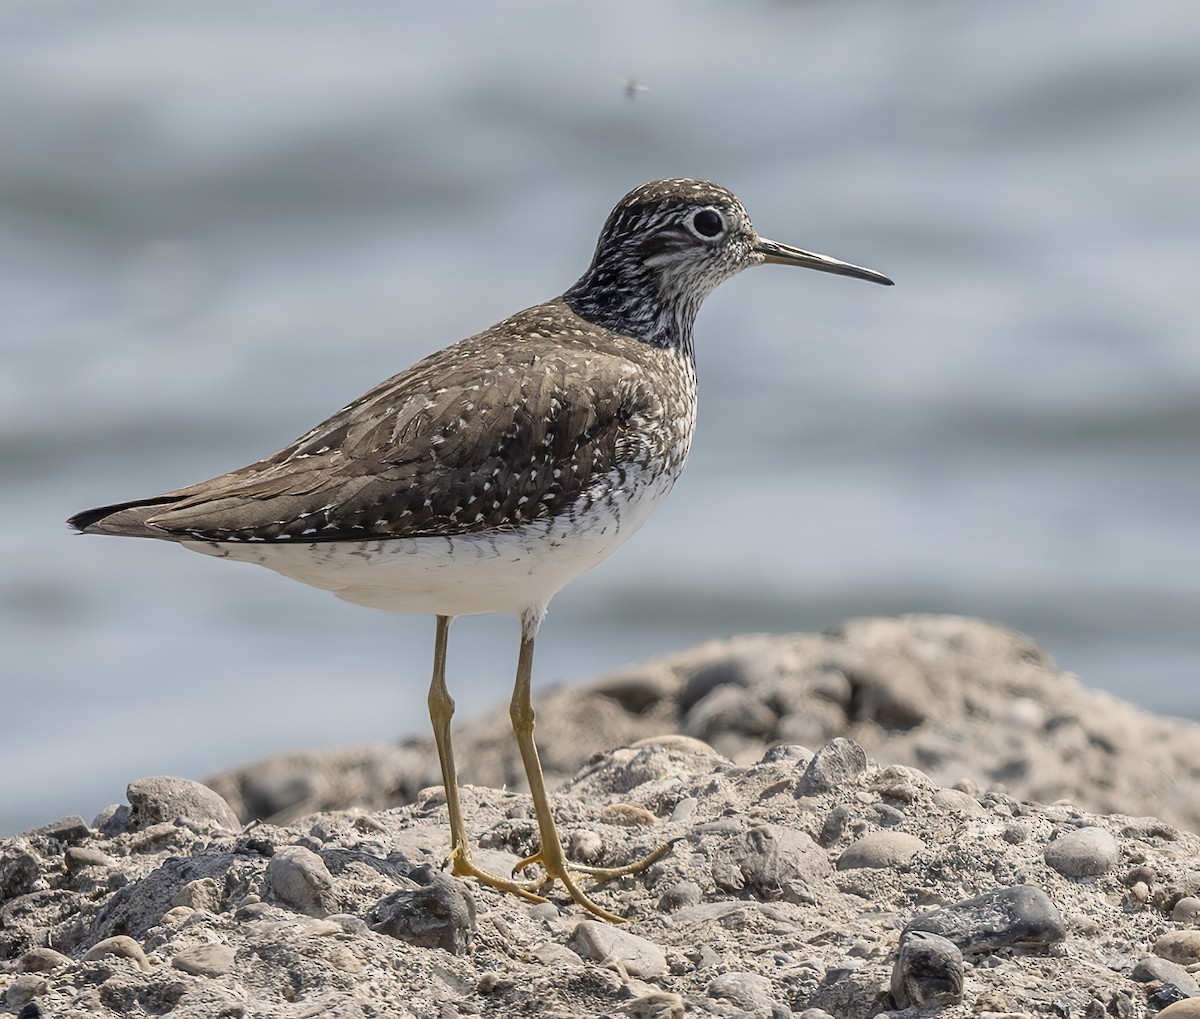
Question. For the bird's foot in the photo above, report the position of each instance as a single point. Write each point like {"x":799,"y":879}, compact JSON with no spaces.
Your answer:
{"x":602,"y":874}
{"x":562,"y":873}
{"x":462,"y":865}
{"x":557,"y":868}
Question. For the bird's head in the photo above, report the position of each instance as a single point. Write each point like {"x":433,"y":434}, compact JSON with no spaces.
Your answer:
{"x":666,"y":246}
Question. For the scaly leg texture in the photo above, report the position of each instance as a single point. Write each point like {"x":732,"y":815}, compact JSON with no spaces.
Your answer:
{"x":551,"y":856}
{"x":441,"y":710}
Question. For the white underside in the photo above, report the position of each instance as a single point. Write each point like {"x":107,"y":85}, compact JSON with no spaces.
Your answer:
{"x":515,"y":571}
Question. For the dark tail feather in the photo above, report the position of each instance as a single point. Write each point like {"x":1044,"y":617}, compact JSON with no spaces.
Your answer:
{"x":124,"y":518}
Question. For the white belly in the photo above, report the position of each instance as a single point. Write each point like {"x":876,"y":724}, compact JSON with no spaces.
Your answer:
{"x":513,"y":571}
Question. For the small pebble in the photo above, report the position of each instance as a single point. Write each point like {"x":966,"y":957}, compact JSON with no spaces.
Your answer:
{"x":250,"y":911}
{"x":778,"y":862}
{"x":721,"y":826}
{"x":835,"y":824}
{"x":679,"y":895}
{"x":838,"y":763}
{"x":160,"y":836}
{"x":1187,"y":910}
{"x":958,"y":801}
{"x":992,"y":1001}
{"x":301,"y":881}
{"x":544,"y":911}
{"x":120,"y":946}
{"x":1121,"y":1005}
{"x":881,"y":849}
{"x":71,"y":828}
{"x":165,"y":798}
{"x":597,"y":942}
{"x":113,"y":820}
{"x":1144,"y":875}
{"x":41,"y":960}
{"x":1084,"y":852}
{"x":711,"y":912}
{"x":439,"y":913}
{"x":787,"y":753}
{"x":684,"y":809}
{"x":368,"y":825}
{"x":886,"y":815}
{"x":202,"y":893}
{"x":897,"y":782}
{"x":24,"y":989}
{"x":1016,"y":832}
{"x":76,"y":858}
{"x":1182,"y":947}
{"x":1154,"y":969}
{"x":749,"y":991}
{"x":1164,"y":995}
{"x":553,"y":954}
{"x":842,"y":969}
{"x":431,"y":797}
{"x":349,"y":923}
{"x":928,"y":972}
{"x":585,"y":845}
{"x":654,"y":1005}
{"x":1018,"y":917}
{"x":20,"y":871}
{"x":490,"y":982}
{"x":208,"y":960}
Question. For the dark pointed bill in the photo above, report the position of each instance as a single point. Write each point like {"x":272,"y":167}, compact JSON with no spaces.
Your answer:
{"x":775,"y":253}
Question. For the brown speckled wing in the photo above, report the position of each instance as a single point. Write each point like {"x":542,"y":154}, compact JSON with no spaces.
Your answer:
{"x":517,"y":423}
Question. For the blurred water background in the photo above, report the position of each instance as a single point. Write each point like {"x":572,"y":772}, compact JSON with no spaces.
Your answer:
{"x":219,"y":222}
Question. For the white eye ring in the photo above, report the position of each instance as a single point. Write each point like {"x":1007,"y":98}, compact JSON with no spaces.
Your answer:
{"x":707,"y":223}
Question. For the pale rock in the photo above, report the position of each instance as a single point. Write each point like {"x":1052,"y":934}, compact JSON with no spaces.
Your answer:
{"x":600,"y":942}
{"x":881,"y":849}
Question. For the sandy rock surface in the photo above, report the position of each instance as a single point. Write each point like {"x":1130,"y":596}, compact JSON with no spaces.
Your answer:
{"x":803,"y":882}
{"x":963,"y":700}
{"x":879,"y":892}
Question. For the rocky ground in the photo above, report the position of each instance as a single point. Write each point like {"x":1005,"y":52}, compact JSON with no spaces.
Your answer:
{"x":961,"y":699}
{"x":923,"y":881}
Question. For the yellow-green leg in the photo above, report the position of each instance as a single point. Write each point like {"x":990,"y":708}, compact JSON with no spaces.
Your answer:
{"x":551,"y":856}
{"x":441,"y":710}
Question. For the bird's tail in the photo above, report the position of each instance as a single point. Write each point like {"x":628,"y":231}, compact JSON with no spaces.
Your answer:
{"x":127,"y":519}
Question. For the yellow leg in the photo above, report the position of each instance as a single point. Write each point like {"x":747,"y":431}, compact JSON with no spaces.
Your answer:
{"x":551,"y":856}
{"x":441,"y":710}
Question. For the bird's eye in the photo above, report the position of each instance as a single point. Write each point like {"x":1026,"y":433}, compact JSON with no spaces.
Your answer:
{"x":708,"y":223}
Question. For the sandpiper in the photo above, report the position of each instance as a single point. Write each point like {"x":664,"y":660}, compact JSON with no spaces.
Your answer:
{"x":488,"y":476}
